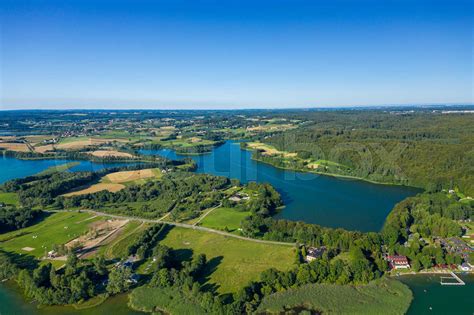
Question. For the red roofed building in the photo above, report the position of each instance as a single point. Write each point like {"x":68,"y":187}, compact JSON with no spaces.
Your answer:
{"x":398,"y":262}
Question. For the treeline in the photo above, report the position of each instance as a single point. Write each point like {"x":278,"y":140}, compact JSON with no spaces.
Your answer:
{"x":85,"y":155}
{"x":13,"y":218}
{"x":143,"y":246}
{"x":77,"y":281}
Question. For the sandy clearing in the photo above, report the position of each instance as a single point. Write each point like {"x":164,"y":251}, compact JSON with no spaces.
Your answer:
{"x":28,"y":249}
{"x":105,"y":153}
{"x":95,"y":188}
{"x":19,"y":147}
{"x":127,"y":176}
{"x":99,"y":233}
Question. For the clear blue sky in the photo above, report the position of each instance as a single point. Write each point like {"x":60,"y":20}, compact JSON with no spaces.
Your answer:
{"x":234,"y":54}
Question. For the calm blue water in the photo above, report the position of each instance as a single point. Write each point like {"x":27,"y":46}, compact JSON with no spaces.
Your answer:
{"x":430,"y":297}
{"x":324,"y":200}
{"x":11,"y":168}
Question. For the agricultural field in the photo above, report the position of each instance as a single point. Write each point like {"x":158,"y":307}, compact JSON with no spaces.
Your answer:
{"x":77,"y":143}
{"x":133,"y":176}
{"x":96,"y":188}
{"x":56,"y":229}
{"x":224,"y":219}
{"x":383,"y":296}
{"x":13,"y":146}
{"x":110,"y":153}
{"x":234,"y":262}
{"x":114,"y":182}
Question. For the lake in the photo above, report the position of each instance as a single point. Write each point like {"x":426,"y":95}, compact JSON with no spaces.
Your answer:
{"x":11,"y":168}
{"x":12,"y":302}
{"x":324,"y":200}
{"x":429,"y":293}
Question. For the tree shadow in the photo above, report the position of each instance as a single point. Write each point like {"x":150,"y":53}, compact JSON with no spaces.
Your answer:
{"x":211,"y":267}
{"x":23,"y":261}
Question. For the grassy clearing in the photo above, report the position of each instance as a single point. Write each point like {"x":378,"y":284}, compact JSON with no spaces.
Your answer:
{"x":9,"y":198}
{"x":58,"y":228}
{"x":167,"y":300}
{"x":58,"y":168}
{"x":236,"y":262}
{"x":384,"y":296}
{"x":224,"y":218}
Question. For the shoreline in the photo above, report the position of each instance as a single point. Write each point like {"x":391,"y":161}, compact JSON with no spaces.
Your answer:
{"x":329,"y":174}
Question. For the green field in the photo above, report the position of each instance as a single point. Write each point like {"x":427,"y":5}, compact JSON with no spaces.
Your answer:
{"x":222,"y":218}
{"x":9,"y":198}
{"x":383,"y":296}
{"x":58,"y":228}
{"x":58,"y":168}
{"x":236,"y":262}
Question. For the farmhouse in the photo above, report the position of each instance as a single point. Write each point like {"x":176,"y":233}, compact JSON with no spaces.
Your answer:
{"x":313,"y":253}
{"x":398,"y":262}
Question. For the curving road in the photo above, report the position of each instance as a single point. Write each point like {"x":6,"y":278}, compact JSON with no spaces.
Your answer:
{"x":183,"y":225}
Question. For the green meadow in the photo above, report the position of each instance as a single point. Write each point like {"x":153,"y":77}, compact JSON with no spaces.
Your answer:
{"x":233,"y":263}
{"x":224,"y":218}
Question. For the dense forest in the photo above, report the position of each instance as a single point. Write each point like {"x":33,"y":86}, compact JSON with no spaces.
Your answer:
{"x":426,"y":149}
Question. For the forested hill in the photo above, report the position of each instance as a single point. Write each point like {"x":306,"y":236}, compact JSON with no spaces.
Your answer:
{"x":425,"y":148}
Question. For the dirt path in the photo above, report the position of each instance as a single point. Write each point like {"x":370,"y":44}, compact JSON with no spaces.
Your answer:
{"x":205,"y":214}
{"x":184,"y":225}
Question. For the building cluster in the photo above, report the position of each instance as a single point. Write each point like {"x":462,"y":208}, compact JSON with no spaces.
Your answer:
{"x":397,"y":262}
{"x":313,"y":253}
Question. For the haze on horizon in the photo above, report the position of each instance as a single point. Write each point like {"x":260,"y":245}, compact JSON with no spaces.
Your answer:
{"x":234,"y":54}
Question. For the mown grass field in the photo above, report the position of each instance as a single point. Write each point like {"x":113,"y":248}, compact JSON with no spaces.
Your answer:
{"x":222,"y":218}
{"x":9,"y":198}
{"x":233,"y":262}
{"x":58,"y":228}
{"x":383,"y":296}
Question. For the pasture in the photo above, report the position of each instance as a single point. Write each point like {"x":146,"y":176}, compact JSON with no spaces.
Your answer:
{"x":224,"y":218}
{"x":233,"y":263}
